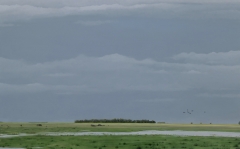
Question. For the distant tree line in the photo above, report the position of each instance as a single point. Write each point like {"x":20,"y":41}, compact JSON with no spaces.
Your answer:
{"x":115,"y":120}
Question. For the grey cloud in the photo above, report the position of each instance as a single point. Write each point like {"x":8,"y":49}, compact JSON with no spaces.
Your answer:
{"x":220,"y":95}
{"x":221,"y":58}
{"x":50,"y":63}
{"x":94,"y":23}
{"x":22,"y":10}
{"x":27,"y":88}
{"x":6,"y":25}
{"x":157,"y":100}
{"x":115,"y":72}
{"x":92,"y":74}
{"x":57,"y":3}
{"x":61,"y":75}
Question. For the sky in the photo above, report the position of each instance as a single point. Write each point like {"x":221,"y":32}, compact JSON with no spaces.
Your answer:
{"x":65,"y":60}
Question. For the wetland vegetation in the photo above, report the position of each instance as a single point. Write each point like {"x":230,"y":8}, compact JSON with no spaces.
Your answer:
{"x":121,"y":142}
{"x":115,"y":142}
{"x":31,"y":128}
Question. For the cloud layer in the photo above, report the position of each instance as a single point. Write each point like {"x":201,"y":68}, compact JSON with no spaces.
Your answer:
{"x":120,"y":86}
{"x":169,"y":54}
{"x":116,"y":72}
{"x":221,"y":58}
{"x":12,"y":10}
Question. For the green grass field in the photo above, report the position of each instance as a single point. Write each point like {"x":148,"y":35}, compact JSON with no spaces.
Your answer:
{"x":121,"y":142}
{"x":115,"y":142}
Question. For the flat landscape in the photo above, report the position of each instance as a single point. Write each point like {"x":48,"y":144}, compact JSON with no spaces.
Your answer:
{"x":39,"y":139}
{"x":119,"y":74}
{"x":31,"y":128}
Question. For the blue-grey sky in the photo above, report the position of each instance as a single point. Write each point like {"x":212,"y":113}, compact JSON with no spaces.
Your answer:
{"x":62,"y":60}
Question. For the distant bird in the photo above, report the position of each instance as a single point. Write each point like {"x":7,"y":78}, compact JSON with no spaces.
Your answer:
{"x":188,"y":112}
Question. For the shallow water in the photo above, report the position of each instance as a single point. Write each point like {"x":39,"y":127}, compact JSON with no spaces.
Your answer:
{"x":148,"y":132}
{"x":153,"y":132}
{"x":18,"y":135}
{"x":11,"y":148}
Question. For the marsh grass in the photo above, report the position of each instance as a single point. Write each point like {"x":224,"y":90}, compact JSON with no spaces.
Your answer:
{"x":116,"y":142}
{"x":121,"y":142}
{"x":31,"y":128}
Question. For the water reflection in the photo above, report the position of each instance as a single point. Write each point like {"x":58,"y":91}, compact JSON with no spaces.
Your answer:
{"x":148,"y":132}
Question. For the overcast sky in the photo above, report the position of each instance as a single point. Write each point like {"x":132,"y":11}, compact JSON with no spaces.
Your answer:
{"x":62,"y":60}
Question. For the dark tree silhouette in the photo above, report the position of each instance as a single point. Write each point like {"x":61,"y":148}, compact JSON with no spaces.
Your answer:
{"x":115,"y":120}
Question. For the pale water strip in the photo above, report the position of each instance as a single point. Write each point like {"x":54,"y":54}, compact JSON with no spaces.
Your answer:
{"x":17,"y":135}
{"x":152,"y":132}
{"x":147,"y":132}
{"x":11,"y":148}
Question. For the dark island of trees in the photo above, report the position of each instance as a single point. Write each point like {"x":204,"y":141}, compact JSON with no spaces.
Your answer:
{"x":120,"y":120}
